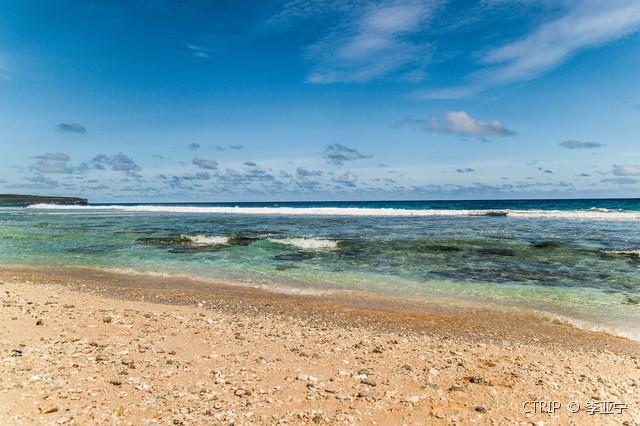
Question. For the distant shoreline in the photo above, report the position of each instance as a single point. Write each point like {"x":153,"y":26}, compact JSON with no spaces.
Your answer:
{"x":24,"y":200}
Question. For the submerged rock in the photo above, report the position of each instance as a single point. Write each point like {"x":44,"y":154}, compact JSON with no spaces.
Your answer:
{"x":298,"y":256}
{"x":284,"y":267}
{"x":165,"y":241}
{"x":498,"y":251}
{"x":632,"y":300}
{"x":496,"y":213}
{"x":241,"y":240}
{"x":545,"y":244}
{"x":444,"y":248}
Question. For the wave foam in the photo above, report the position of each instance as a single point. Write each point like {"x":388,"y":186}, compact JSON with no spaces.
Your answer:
{"x":635,"y":252}
{"x":307,"y":243}
{"x":205,"y":240}
{"x":356,"y":211}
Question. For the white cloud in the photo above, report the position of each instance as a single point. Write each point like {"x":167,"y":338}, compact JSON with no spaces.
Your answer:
{"x":338,"y":154}
{"x":197,"y":51}
{"x":575,"y":144}
{"x":461,"y":123}
{"x":53,"y":156}
{"x":620,"y":180}
{"x":52,"y":167}
{"x":581,"y":25}
{"x":347,"y":179}
{"x":72,"y":128}
{"x":626,"y":169}
{"x":205,"y":164}
{"x":372,"y":43}
{"x":587,"y":23}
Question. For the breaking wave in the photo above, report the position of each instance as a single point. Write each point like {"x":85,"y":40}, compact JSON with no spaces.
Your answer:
{"x":591,"y":214}
{"x":307,"y":243}
{"x":205,"y":240}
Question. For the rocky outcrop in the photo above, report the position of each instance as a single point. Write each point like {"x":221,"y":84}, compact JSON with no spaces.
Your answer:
{"x":24,"y":200}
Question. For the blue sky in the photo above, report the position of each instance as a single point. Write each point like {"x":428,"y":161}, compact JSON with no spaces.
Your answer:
{"x":171,"y":100}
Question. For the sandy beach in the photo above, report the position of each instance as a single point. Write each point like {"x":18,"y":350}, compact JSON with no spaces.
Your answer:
{"x":89,"y":347}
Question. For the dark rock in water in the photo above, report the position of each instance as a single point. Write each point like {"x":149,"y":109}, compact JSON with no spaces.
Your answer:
{"x":496,"y":214}
{"x":241,"y":240}
{"x":95,"y":249}
{"x":438,"y":247}
{"x":632,"y":300}
{"x":165,"y":241}
{"x":195,"y":249}
{"x":284,"y":267}
{"x":545,"y":244}
{"x":179,"y":244}
{"x":497,"y":251}
{"x":298,"y":256}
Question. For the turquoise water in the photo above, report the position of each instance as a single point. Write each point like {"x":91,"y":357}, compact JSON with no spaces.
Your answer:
{"x":578,"y":260}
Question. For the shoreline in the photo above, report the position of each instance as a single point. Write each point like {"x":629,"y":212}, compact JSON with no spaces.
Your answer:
{"x":149,"y":350}
{"x":448,"y":317}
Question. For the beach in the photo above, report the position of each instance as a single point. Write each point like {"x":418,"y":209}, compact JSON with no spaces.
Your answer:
{"x":87,"y":346}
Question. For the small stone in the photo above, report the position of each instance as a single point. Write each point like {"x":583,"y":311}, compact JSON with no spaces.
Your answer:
{"x":370,"y":395}
{"x":107,"y":319}
{"x":368,"y":382}
{"x":67,"y":306}
{"x":307,"y":378}
{"x":16,"y":352}
{"x":242,"y":392}
{"x":127,"y":361}
{"x":193,"y":389}
{"x":480,"y":409}
{"x":49,"y":409}
{"x":115,"y":382}
{"x":455,"y":388}
{"x":407,"y":367}
{"x":477,"y":380}
{"x":39,"y":322}
{"x":365,"y":372}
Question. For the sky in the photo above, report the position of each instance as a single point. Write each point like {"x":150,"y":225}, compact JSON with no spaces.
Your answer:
{"x":203,"y":100}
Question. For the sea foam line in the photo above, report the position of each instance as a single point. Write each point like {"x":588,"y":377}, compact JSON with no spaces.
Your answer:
{"x":355,"y":211}
{"x":206,"y":240}
{"x":307,"y":243}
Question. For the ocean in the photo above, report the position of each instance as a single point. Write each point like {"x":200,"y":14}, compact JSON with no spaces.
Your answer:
{"x":572,"y":260}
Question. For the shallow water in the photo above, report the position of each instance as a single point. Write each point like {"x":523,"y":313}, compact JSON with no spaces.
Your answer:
{"x":581,"y":265}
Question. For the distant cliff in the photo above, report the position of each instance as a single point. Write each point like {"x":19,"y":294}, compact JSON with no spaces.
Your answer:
{"x":25,"y":200}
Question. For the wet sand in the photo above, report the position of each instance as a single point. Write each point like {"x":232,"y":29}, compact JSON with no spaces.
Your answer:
{"x":84,"y":346}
